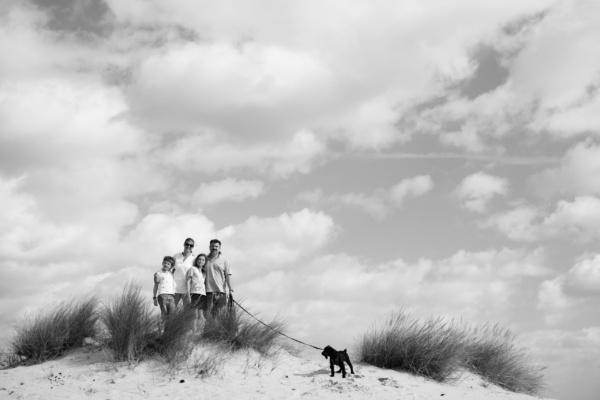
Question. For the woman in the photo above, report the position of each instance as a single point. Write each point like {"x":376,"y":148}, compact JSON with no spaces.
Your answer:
{"x":195,"y":283}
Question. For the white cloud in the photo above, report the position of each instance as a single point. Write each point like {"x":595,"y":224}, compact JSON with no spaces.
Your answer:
{"x":227,"y":190}
{"x":276,"y":243}
{"x":578,"y":220}
{"x":553,"y":301}
{"x":578,"y":174}
{"x":410,"y":187}
{"x":517,"y":224}
{"x":377,"y":204}
{"x":584,"y":276}
{"x":278,"y":159}
{"x":478,"y":189}
{"x":479,"y":286}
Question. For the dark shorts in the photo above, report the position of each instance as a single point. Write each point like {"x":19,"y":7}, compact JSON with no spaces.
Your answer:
{"x":166,"y":303}
{"x":199,"y":301}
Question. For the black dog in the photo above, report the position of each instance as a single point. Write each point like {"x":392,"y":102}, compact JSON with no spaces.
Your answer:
{"x":337,"y":358}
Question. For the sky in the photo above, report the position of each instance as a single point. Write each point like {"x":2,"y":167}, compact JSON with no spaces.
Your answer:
{"x":354,"y":158}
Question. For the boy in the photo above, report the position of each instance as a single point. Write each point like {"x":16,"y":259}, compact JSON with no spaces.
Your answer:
{"x":164,"y":288}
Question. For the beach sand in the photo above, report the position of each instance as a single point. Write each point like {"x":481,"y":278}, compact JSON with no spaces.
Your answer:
{"x":87,"y":373}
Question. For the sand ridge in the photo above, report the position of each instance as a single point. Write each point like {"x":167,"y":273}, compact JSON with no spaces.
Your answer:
{"x":87,"y":373}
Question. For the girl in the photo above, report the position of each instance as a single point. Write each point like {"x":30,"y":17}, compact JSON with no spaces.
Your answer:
{"x":195,"y":285}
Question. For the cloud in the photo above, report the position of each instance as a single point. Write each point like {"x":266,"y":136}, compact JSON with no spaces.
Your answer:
{"x":478,"y":189}
{"x":517,"y":224}
{"x":276,"y":243}
{"x":577,"y":220}
{"x":479,"y":286}
{"x":227,"y":190}
{"x":299,"y":155}
{"x":552,"y":300}
{"x":411,"y":187}
{"x":378,"y":204}
{"x":584,"y":277}
{"x":578,"y":174}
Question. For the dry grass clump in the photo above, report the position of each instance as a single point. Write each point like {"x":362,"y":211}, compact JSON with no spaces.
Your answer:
{"x":52,"y":331}
{"x":237,"y":330}
{"x":491,"y":352}
{"x":440,"y":349}
{"x":175,"y":343}
{"x":130,"y":324}
{"x":133,"y":329}
{"x":432,"y":349}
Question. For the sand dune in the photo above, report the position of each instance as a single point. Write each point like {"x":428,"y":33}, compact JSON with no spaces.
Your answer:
{"x":209,"y":373}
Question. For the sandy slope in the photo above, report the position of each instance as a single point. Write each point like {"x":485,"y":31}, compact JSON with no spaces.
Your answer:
{"x":86,"y":374}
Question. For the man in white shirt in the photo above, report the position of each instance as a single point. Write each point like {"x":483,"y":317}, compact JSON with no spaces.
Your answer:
{"x":183,"y":263}
{"x":218,"y":278}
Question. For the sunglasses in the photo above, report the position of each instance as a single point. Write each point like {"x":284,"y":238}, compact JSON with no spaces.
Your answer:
{"x":189,"y":244}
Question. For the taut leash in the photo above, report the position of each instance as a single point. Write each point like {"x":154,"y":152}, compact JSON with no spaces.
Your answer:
{"x":271,"y":328}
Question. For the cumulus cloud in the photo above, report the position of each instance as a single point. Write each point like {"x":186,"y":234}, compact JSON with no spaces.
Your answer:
{"x":578,"y":220}
{"x":584,"y":277}
{"x":478,"y":189}
{"x":531,"y":99}
{"x":578,"y":173}
{"x":480,"y":286}
{"x":411,"y":187}
{"x":206,"y":153}
{"x":277,"y":243}
{"x":553,"y":301}
{"x":227,"y":190}
{"x":378,"y":204}
{"x":518,"y":224}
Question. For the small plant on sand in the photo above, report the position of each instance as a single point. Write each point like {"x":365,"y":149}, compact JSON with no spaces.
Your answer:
{"x":238,"y":330}
{"x":209,"y":362}
{"x":130,"y":324}
{"x":492,"y":353}
{"x":432,"y":348}
{"x":53,"y":330}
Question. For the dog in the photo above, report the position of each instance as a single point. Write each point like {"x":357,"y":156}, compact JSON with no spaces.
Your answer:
{"x":337,"y":358}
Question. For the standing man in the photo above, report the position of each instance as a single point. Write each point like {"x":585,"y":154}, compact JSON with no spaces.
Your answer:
{"x":218,"y":278}
{"x":183,"y":263}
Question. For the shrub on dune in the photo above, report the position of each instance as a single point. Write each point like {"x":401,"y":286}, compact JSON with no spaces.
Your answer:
{"x":440,"y":349}
{"x":432,"y":349}
{"x":237,"y":330}
{"x":51,"y":331}
{"x":175,"y":343}
{"x":492,"y":353}
{"x":130,"y":323}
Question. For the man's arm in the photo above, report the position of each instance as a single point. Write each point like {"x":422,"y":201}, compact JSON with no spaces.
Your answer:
{"x":228,"y":276}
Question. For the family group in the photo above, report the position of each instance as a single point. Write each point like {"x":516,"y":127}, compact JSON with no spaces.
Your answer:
{"x":200,"y":282}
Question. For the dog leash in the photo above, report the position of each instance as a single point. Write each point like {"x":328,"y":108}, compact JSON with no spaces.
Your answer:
{"x":275,"y":330}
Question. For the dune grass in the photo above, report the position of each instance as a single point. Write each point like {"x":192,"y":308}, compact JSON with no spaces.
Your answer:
{"x":53,"y":330}
{"x":237,"y":330}
{"x":130,"y":324}
{"x":440,"y":350}
{"x":491,"y":352}
{"x":432,"y":349}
